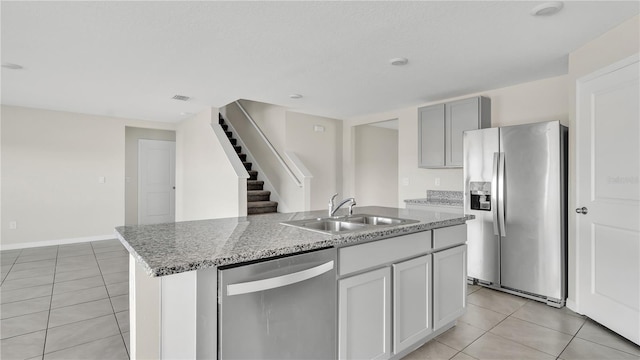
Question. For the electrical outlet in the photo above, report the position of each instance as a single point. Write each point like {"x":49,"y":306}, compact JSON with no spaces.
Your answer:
{"x":437,"y":181}
{"x":13,"y":225}
{"x":102,"y":180}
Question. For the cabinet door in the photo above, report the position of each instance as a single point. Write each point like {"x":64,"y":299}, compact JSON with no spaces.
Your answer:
{"x":449,"y":285}
{"x":365,"y":316}
{"x":431,"y":136}
{"x":461,"y":115}
{"x":412,"y":302}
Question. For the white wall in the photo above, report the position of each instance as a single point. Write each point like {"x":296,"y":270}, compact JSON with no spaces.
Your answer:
{"x":617,"y":44}
{"x":321,"y":152}
{"x":376,"y":166}
{"x":207,"y":186}
{"x":51,"y":163}
{"x":536,"y":101}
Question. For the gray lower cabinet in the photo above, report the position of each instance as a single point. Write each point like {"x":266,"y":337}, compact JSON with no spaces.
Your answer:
{"x":365,"y":315}
{"x":411,"y":302}
{"x":440,"y":129}
{"x":449,"y":284}
{"x":379,"y":318}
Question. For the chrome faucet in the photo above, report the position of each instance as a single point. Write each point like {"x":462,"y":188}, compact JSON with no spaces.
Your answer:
{"x":333,"y":208}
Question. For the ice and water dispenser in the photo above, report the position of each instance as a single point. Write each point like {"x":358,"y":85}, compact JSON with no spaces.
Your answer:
{"x":480,"y":195}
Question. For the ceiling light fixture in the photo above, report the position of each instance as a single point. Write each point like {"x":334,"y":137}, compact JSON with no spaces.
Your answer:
{"x":180,"y":97}
{"x":11,"y":66}
{"x":547,"y":9}
{"x":399,"y":61}
{"x":295,"y":96}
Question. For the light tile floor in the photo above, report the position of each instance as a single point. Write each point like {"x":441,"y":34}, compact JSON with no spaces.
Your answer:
{"x":503,"y":326}
{"x":65,"y":302}
{"x":70,"y":302}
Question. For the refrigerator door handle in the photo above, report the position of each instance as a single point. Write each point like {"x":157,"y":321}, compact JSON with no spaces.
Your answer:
{"x":494,"y":193}
{"x":501,"y":196}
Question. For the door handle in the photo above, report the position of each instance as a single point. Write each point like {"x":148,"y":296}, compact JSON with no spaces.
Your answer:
{"x":501,"y":197}
{"x":494,"y":193}
{"x":583,"y":210}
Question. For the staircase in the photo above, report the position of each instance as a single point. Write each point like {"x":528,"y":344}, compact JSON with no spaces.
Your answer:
{"x":258,"y":199}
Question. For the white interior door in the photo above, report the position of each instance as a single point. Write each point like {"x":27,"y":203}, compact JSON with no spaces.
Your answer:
{"x":608,"y":198}
{"x":156,"y":181}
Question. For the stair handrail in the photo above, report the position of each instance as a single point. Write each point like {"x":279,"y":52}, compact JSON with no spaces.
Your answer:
{"x":273,"y":150}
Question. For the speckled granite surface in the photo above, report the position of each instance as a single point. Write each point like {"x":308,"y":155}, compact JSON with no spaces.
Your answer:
{"x":439,"y":198}
{"x":165,"y":249}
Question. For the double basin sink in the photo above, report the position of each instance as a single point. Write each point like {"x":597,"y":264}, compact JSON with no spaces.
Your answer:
{"x":357,"y":222}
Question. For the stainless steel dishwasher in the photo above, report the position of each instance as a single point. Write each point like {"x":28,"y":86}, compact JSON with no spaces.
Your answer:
{"x":283,"y":308}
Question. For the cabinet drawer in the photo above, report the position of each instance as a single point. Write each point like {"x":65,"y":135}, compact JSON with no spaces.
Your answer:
{"x":449,"y":236}
{"x":376,"y":253}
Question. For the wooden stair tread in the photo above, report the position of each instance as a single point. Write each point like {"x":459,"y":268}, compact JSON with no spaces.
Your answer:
{"x":259,"y":204}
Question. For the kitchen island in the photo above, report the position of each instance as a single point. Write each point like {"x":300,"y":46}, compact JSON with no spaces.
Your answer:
{"x":174,"y":277}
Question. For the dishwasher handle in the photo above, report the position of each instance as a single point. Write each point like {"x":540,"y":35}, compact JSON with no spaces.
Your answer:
{"x":279,"y":281}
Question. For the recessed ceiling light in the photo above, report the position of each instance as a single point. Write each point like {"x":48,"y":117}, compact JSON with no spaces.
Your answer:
{"x":184,"y":113}
{"x":546,"y":9}
{"x":295,"y":96}
{"x":399,"y":61}
{"x":11,"y":66}
{"x":180,"y":97}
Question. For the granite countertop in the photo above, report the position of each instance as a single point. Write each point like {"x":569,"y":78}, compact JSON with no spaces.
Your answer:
{"x":165,"y":249}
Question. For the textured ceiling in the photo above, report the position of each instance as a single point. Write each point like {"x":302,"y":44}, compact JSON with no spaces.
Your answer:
{"x":128,"y":59}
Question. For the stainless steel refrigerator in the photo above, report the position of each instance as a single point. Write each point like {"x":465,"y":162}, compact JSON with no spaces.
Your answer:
{"x":515,"y":181}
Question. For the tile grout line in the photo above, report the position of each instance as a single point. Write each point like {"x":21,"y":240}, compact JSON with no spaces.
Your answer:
{"x":573,"y":337}
{"x":500,"y":322}
{"x":597,"y":343}
{"x":53,"y":281}
{"x":124,"y":343}
{"x":11,"y":268}
{"x":82,"y":343}
{"x":485,"y":331}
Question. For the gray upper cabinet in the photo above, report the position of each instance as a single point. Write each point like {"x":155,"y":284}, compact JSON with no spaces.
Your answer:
{"x":431,"y":135}
{"x":440,"y":129}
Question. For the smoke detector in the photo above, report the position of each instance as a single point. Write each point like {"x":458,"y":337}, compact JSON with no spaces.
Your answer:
{"x":547,"y":9}
{"x":295,"y":96}
{"x":180,"y":97}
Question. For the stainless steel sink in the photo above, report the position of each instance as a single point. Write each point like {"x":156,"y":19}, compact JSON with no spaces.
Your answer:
{"x":376,"y":220}
{"x":347,"y":223}
{"x":331,"y":225}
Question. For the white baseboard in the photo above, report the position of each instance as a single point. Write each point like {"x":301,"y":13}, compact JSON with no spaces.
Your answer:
{"x":571,"y":305}
{"x":57,"y":242}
